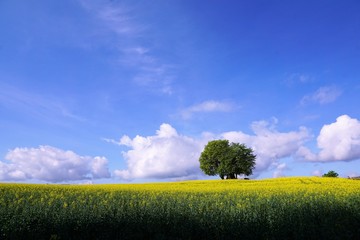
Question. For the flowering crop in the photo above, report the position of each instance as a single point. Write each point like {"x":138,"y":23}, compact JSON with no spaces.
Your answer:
{"x":283,"y":208}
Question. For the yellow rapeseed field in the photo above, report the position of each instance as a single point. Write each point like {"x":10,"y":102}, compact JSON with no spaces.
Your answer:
{"x":282,"y":208}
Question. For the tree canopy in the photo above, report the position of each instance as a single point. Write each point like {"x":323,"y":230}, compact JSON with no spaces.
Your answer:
{"x":331,"y":174}
{"x":228,"y":160}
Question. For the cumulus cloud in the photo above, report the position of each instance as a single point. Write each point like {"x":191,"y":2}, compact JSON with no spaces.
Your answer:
{"x":51,"y":164}
{"x":171,"y":155}
{"x":269,"y":144}
{"x":338,"y":141}
{"x":164,"y":155}
{"x":323,"y":95}
{"x":207,"y":106}
{"x":280,"y":168}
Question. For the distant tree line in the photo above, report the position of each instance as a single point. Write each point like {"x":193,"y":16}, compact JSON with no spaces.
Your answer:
{"x":331,"y":174}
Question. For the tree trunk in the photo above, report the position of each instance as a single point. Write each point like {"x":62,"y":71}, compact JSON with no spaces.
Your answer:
{"x":231,"y":176}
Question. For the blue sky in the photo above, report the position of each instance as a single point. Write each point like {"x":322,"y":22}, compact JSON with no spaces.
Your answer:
{"x":118,"y":91}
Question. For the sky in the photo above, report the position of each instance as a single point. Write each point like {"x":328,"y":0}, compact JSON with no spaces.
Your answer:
{"x":104,"y":91}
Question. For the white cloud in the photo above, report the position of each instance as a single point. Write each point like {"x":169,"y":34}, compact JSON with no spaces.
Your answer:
{"x":280,"y":168}
{"x":353,"y":174}
{"x":171,"y":155}
{"x":323,"y":95}
{"x":268,"y":144}
{"x":295,"y":78}
{"x":207,"y":106}
{"x":51,"y":164}
{"x":317,"y":173}
{"x":164,"y":155}
{"x":99,"y":167}
{"x":118,"y":19}
{"x":108,"y":140}
{"x":37,"y":105}
{"x":115,"y":17}
{"x":338,"y":141}
{"x":306,"y":153}
{"x":126,"y":37}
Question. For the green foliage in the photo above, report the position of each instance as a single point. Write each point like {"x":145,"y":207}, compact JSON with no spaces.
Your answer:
{"x":331,"y":174}
{"x":214,"y":156}
{"x":227,"y":159}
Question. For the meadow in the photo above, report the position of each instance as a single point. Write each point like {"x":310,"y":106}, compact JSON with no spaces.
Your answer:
{"x":282,"y":208}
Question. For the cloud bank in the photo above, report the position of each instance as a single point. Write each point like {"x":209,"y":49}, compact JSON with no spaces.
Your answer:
{"x":164,"y":155}
{"x":269,"y":144}
{"x":338,"y":141}
{"x":51,"y":164}
{"x":171,"y":155}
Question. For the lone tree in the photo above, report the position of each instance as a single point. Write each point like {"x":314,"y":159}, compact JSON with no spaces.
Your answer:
{"x":228,"y":160}
{"x":331,"y":174}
